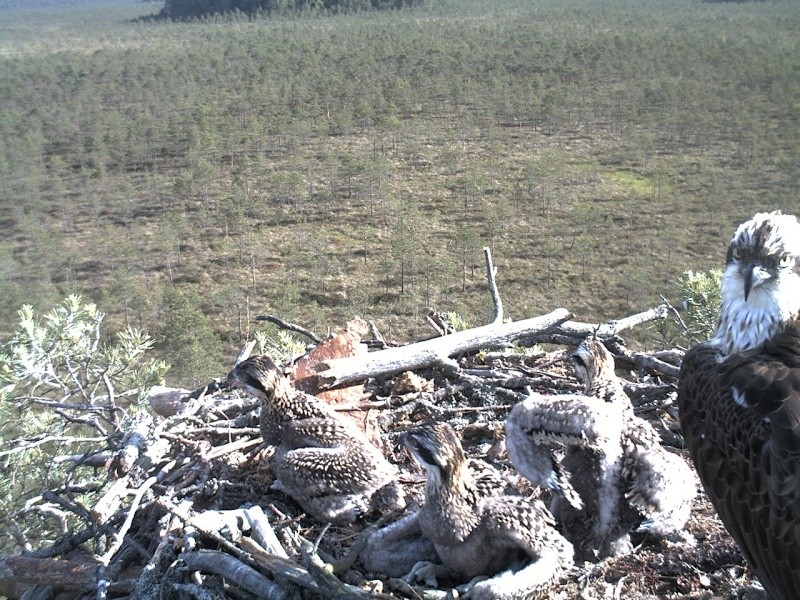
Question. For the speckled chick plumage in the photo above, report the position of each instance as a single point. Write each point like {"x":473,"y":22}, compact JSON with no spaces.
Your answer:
{"x":322,"y":461}
{"x":479,"y":530}
{"x":614,"y":476}
{"x":739,"y":401}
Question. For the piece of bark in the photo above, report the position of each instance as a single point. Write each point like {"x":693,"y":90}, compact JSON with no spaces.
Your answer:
{"x":166,"y":401}
{"x":338,"y":345}
{"x":437,"y":351}
{"x":341,"y":344}
{"x":110,"y":502}
{"x":409,"y":382}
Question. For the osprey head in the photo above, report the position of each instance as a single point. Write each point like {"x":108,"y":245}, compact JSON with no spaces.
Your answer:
{"x":593,"y":364}
{"x":436,"y":447}
{"x":259,"y":376}
{"x":760,"y":284}
{"x":763,"y":252}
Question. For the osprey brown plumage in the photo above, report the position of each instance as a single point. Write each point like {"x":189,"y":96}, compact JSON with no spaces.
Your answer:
{"x":739,"y":401}
{"x":322,"y":461}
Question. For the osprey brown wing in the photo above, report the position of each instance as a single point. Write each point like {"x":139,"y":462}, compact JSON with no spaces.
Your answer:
{"x":740,"y":422}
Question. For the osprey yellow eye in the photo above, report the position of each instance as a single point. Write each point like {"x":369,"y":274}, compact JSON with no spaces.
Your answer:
{"x":786,"y":261}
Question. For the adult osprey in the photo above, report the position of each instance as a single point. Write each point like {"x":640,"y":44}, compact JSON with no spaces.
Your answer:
{"x":739,"y":401}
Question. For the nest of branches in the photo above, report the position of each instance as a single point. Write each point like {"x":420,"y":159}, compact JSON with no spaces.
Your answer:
{"x":186,"y":508}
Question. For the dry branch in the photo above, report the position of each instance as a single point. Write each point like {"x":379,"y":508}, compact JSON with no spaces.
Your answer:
{"x":553,"y":327}
{"x":574,"y":332}
{"x":243,"y":576}
{"x":666,"y":364}
{"x":290,"y":327}
{"x":262,"y":531}
{"x":322,"y":583}
{"x":437,"y":351}
{"x":17,"y":573}
{"x":491,"y":271}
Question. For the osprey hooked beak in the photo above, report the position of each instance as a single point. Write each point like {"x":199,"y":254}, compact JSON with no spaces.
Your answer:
{"x":754,"y":274}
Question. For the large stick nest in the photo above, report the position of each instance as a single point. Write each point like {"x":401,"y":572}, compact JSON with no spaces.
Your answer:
{"x":188,"y":511}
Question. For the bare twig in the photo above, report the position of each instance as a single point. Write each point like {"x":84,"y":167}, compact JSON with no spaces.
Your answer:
{"x":438,"y":322}
{"x":330,"y":585}
{"x":280,"y":567}
{"x":290,"y":327}
{"x":33,"y":443}
{"x":111,"y":399}
{"x":378,"y":340}
{"x":65,"y":545}
{"x":675,"y":312}
{"x":262,"y":531}
{"x":640,"y":360}
{"x":233,"y":447}
{"x":126,"y":525}
{"x":491,"y":272}
{"x":68,"y":405}
{"x":645,"y":361}
{"x":75,"y":508}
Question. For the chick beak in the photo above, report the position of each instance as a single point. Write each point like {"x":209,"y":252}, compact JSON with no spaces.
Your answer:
{"x":754,"y":275}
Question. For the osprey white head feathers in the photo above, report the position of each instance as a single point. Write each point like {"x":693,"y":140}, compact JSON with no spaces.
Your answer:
{"x":760,"y":284}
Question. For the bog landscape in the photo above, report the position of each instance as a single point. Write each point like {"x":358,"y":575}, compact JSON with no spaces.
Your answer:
{"x":188,"y":176}
{"x":184,"y":176}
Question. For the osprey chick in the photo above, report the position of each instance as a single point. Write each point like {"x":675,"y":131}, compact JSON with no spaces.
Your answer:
{"x":477,"y":530}
{"x":322,"y":461}
{"x":739,"y":401}
{"x":614,"y":476}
